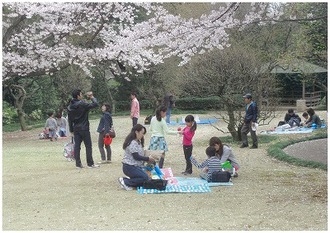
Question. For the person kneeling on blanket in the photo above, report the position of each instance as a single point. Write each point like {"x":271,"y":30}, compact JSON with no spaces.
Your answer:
{"x":225,"y":153}
{"x":134,"y":159}
{"x":210,"y":165}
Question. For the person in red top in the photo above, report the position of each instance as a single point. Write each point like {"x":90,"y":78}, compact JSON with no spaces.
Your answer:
{"x":188,"y":133}
{"x":135,"y":109}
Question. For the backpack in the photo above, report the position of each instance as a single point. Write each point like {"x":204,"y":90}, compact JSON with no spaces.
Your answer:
{"x":220,"y":176}
{"x":68,"y":151}
{"x":155,"y":184}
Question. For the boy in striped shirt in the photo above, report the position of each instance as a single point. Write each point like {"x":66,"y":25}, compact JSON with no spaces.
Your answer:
{"x":210,"y":165}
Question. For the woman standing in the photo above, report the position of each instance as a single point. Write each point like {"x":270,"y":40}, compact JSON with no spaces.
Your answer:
{"x":158,"y":128}
{"x":104,"y":128}
{"x":133,"y":161}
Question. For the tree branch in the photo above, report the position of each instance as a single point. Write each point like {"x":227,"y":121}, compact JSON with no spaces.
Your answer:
{"x":11,"y":29}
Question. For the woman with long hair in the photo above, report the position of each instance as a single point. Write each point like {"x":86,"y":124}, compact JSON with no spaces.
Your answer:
{"x":313,"y":118}
{"x":134,"y":159}
{"x":225,"y":153}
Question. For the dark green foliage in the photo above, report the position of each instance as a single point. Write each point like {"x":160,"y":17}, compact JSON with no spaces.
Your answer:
{"x":193,"y":103}
{"x":126,"y":105}
{"x":9,"y":114}
{"x":188,"y":103}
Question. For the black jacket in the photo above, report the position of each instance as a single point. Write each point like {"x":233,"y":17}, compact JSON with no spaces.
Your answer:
{"x":105,"y":123}
{"x":78,"y":114}
{"x":288,"y":117}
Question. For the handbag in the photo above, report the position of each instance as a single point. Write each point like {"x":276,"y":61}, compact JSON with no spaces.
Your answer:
{"x":112,"y":132}
{"x":107,"y":140}
{"x":220,"y":176}
{"x":155,"y":184}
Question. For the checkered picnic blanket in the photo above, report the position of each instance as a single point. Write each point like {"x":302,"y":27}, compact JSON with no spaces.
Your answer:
{"x":182,"y":184}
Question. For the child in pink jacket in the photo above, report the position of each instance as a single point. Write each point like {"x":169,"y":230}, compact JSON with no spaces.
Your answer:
{"x":188,"y":133}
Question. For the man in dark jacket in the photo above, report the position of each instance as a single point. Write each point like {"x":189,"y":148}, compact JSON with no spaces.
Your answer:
{"x":292,"y":118}
{"x":250,"y":122}
{"x":79,"y":125}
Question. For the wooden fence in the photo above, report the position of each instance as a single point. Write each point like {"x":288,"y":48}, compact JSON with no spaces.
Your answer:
{"x":313,"y":98}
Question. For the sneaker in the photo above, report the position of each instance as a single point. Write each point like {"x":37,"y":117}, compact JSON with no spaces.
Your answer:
{"x":108,"y":161}
{"x":243,"y":146}
{"x":123,"y":185}
{"x":102,"y":162}
{"x":254,"y":147}
{"x":94,"y":166}
{"x":79,"y":167}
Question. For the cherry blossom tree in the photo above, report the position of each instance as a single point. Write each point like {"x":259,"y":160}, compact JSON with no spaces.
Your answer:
{"x":42,"y":38}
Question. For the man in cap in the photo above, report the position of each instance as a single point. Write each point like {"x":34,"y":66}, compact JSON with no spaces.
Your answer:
{"x":250,"y":122}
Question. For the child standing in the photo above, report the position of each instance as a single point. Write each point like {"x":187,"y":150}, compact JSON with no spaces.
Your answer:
{"x":158,"y":128}
{"x":188,"y":133}
{"x":212,"y":164}
{"x":51,"y":126}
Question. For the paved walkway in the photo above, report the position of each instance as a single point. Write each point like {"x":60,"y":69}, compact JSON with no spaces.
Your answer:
{"x":313,"y":150}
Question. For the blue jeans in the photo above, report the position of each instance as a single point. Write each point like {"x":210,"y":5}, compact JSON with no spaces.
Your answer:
{"x":136,"y":174}
{"x":168,"y":115}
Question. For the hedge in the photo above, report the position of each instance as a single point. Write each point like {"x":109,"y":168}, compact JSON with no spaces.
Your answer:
{"x":195,"y":103}
{"x":187,"y":103}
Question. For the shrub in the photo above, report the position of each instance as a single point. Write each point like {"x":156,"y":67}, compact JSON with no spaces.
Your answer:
{"x":9,"y":114}
{"x":36,"y":115}
{"x":194,"y":103}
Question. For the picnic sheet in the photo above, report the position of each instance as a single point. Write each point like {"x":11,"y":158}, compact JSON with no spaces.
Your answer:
{"x":198,"y":121}
{"x":288,"y":131}
{"x":182,"y":184}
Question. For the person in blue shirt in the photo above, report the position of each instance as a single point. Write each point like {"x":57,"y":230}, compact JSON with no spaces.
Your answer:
{"x":250,"y":122}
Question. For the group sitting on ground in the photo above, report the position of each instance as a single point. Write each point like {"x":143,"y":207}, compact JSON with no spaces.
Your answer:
{"x":312,"y":119}
{"x":55,"y":127}
{"x":292,"y":120}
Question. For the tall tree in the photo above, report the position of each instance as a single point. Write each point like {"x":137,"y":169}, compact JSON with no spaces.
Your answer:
{"x":229,"y":74}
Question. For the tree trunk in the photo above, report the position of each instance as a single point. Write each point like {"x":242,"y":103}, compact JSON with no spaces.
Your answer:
{"x":235,"y":133}
{"x":19,"y":95}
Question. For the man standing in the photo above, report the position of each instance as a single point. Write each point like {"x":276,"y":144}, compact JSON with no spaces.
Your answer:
{"x":250,"y":121}
{"x":135,"y":108}
{"x":169,"y":103}
{"x":79,"y":125}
